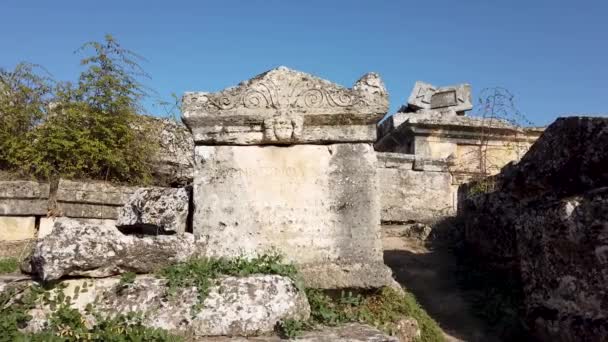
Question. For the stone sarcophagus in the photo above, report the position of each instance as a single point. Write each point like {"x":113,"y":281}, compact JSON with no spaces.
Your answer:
{"x":284,"y":162}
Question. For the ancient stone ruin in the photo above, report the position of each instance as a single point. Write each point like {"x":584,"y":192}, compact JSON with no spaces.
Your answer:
{"x":546,"y":220}
{"x":289,"y":164}
{"x":284,"y":161}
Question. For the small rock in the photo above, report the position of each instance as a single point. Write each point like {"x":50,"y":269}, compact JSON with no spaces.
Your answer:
{"x":408,"y":330}
{"x":75,"y":248}
{"x":155,"y":210}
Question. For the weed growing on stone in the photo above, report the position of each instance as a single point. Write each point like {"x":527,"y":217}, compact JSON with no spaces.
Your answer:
{"x":382,"y":309}
{"x":200,"y":273}
{"x":127,"y":278}
{"x":8,"y":265}
{"x":66,"y":323}
{"x":291,"y":328}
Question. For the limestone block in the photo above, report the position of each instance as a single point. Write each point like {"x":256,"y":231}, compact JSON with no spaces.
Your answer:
{"x":408,"y":195}
{"x":91,"y":199}
{"x":15,"y":228}
{"x":156,"y":210}
{"x":421,"y":95}
{"x":23,"y":198}
{"x":426,"y":96}
{"x":47,"y":224}
{"x":283,"y":106}
{"x":316,"y":204}
{"x":234,"y":306}
{"x":79,"y":249}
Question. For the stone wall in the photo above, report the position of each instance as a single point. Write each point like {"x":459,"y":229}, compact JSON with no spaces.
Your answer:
{"x":546,"y":221}
{"x":474,"y":145}
{"x":414,"y":190}
{"x":28,"y":209}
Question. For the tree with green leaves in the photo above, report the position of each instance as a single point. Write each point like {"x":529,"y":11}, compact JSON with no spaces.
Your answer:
{"x":91,"y":129}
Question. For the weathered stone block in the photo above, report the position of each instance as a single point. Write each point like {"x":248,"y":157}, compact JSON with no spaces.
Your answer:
{"x":563,"y":249}
{"x":409,"y":195}
{"x":455,"y":98}
{"x":79,"y":249}
{"x":234,"y":306}
{"x":283,"y":106}
{"x":91,"y":199}
{"x":48,"y":223}
{"x":569,"y":158}
{"x":317,"y":205}
{"x":160,"y":210}
{"x":14,"y":228}
{"x":420,"y":96}
{"x":23,"y":198}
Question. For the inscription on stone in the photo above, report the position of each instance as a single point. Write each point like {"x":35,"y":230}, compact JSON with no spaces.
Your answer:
{"x":444,"y":99}
{"x":251,"y":199}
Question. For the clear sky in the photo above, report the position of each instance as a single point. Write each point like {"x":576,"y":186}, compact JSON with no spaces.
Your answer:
{"x":553,"y":55}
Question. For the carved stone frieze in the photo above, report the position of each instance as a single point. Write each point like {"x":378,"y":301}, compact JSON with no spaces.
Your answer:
{"x":283,"y":106}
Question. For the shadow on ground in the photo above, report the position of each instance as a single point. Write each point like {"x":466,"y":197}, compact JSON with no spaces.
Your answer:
{"x":430,"y":276}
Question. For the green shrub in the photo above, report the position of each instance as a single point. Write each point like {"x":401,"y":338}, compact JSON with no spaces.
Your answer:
{"x":291,"y":328}
{"x":88,"y":131}
{"x":8,"y":265}
{"x":24,"y":101}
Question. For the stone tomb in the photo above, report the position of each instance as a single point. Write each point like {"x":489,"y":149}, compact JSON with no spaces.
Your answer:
{"x":317,"y":204}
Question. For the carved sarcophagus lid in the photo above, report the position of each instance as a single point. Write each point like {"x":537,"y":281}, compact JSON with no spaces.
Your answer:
{"x":286,"y":107}
{"x":456,"y":98}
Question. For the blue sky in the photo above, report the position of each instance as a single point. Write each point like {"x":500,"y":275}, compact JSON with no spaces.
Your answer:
{"x":553,"y":55}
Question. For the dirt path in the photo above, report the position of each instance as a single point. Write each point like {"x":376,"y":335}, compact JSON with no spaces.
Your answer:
{"x":429,"y":275}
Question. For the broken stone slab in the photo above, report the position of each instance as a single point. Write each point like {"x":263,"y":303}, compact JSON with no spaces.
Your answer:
{"x":156,"y":211}
{"x":79,"y":249}
{"x":250,"y":200}
{"x":456,"y":98}
{"x":284,"y":106}
{"x":234,"y":306}
{"x":20,"y":198}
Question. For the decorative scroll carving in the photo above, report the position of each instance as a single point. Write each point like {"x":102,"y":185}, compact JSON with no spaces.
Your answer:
{"x":284,"y":106}
{"x":283,"y":88}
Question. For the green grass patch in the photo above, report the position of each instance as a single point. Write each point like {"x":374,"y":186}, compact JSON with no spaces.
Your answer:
{"x":8,"y":265}
{"x":200,"y":273}
{"x":68,"y":324}
{"x":382,"y":309}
